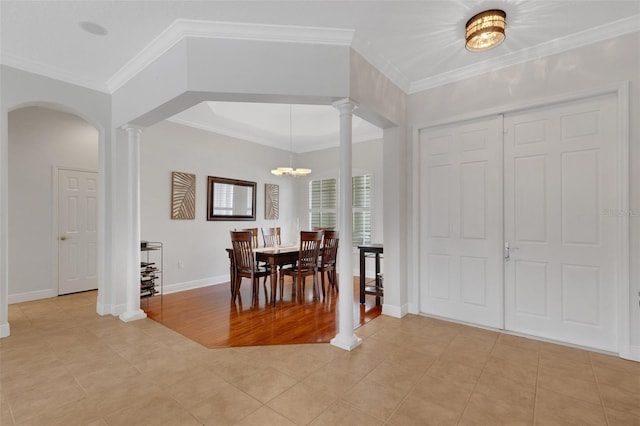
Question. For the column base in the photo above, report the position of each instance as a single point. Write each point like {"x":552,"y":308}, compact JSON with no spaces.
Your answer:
{"x":5,"y":331}
{"x":348,"y":343}
{"x":132,"y":315}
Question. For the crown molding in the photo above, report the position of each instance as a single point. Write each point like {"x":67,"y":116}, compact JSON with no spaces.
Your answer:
{"x":381,"y":63}
{"x":183,"y":28}
{"x":583,"y":38}
{"x":51,"y":72}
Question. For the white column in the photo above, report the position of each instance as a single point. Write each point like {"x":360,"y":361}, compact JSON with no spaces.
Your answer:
{"x":4,"y":224}
{"x":133,"y":311}
{"x":345,"y":339}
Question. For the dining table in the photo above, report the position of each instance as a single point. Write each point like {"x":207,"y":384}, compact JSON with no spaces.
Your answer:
{"x":274,"y":257}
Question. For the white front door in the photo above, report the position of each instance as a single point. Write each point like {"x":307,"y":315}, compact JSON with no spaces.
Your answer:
{"x":461,"y":221}
{"x":559,"y":182}
{"x":77,"y":231}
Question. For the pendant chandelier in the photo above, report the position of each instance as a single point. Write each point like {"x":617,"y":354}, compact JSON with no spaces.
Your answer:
{"x":280,"y":171}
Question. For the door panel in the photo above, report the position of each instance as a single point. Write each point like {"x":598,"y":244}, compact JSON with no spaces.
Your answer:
{"x":559,"y":176}
{"x":461,"y":229}
{"x":77,"y":231}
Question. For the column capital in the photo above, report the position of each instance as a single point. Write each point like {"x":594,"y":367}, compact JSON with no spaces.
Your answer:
{"x":345,"y":105}
{"x":132,"y":129}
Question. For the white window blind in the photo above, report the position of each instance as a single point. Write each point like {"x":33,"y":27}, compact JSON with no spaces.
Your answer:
{"x":323,"y":206}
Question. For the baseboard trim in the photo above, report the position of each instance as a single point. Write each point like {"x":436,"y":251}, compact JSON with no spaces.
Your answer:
{"x":634,"y":353}
{"x":190,"y":285}
{"x":5,"y":330}
{"x":31,"y":295}
{"x":394,"y":310}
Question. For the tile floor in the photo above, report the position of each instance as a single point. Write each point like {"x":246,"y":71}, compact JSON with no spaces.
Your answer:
{"x":65,"y":365}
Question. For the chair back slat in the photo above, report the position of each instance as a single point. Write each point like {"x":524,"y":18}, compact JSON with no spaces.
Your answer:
{"x":242,"y":243}
{"x":330,"y":247}
{"x":271,"y":237}
{"x":310,"y":242}
{"x":254,"y":235}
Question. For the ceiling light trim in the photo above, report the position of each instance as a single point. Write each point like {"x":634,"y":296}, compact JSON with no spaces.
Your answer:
{"x":584,"y":38}
{"x":183,"y":28}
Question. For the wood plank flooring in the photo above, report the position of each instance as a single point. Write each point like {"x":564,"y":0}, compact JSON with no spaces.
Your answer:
{"x":207,"y":316}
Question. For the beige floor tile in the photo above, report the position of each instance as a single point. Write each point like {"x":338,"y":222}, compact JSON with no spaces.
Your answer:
{"x":266,"y":384}
{"x":105,"y":377}
{"x":524,"y":343}
{"x":620,"y":399}
{"x":501,"y":387}
{"x":193,"y":386}
{"x":454,"y":371}
{"x":626,"y":380}
{"x":515,"y":354}
{"x":483,"y":410}
{"x":301,"y":403}
{"x":121,"y":395}
{"x":41,"y":399}
{"x":444,"y":392}
{"x":609,"y":361}
{"x":396,"y":376}
{"x":332,"y":381}
{"x":565,"y":353}
{"x":341,"y":414}
{"x":566,"y":368}
{"x":417,"y":412}
{"x":378,"y":401}
{"x":356,"y":362}
{"x":555,"y":408}
{"x":578,"y":389}
{"x":227,"y":407}
{"x":620,"y":418}
{"x":265,"y":416}
{"x":6,"y":418}
{"x":81,"y":412}
{"x":158,"y":411}
{"x":524,"y":374}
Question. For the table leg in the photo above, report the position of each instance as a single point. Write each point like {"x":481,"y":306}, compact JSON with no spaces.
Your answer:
{"x":273,"y":279}
{"x":232,"y":274}
{"x":377,"y":279}
{"x":362,"y":277}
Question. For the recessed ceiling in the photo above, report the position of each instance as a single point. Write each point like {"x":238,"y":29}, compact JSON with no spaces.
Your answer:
{"x":312,"y":127}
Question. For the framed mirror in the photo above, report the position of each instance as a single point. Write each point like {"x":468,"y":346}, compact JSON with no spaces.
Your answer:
{"x":230,"y":199}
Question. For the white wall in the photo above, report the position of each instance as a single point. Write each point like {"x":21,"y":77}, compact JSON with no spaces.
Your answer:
{"x":40,"y":139}
{"x":198,"y":243}
{"x":585,"y":68}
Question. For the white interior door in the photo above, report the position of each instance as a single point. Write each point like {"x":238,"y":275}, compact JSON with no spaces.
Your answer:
{"x":77,"y":231}
{"x":461,"y":222}
{"x":559,"y":181}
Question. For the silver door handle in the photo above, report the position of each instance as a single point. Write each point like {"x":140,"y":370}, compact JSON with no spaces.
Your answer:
{"x":507,"y":250}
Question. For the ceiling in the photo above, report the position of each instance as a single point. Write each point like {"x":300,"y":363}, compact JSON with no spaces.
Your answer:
{"x":417,"y":44}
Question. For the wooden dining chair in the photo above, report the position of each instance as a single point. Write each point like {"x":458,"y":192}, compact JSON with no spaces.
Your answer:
{"x":327,"y":259}
{"x":254,"y":235}
{"x":307,"y":264}
{"x":245,"y":264}
{"x":271,"y":237}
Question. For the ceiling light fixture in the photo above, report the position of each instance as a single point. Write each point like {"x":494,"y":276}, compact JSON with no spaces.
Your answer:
{"x":485,"y":30}
{"x":280,"y":171}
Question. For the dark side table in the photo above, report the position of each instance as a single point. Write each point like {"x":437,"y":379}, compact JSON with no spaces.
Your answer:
{"x":370,"y":250}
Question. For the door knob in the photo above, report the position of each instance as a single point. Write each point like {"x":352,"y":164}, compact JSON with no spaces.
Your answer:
{"x":63,"y":237}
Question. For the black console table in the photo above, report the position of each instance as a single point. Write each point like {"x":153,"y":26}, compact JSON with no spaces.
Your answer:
{"x":371,"y":250}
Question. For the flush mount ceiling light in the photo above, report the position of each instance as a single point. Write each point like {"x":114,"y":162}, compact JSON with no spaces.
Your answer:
{"x":485,"y":30}
{"x":280,"y":171}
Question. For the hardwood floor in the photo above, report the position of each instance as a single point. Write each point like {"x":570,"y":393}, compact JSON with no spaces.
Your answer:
{"x":207,"y":316}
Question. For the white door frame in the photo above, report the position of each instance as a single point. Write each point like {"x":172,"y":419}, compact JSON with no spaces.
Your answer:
{"x":54,"y":219}
{"x":621,"y":90}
